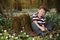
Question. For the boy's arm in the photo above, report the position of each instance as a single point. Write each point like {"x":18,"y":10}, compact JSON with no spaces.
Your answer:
{"x":40,"y":27}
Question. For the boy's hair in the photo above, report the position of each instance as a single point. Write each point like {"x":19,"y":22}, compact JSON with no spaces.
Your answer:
{"x":44,"y":7}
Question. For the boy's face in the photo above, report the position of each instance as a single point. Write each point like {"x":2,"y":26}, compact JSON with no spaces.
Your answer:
{"x":41,"y":12}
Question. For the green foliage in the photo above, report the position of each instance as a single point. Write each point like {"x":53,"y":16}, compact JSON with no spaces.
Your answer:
{"x":55,"y":17}
{"x":22,"y":36}
{"x":1,"y":29}
{"x":5,"y":22}
{"x":30,"y":38}
{"x":2,"y":20}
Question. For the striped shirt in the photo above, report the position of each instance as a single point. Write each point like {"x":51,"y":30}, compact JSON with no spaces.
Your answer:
{"x":39,"y":21}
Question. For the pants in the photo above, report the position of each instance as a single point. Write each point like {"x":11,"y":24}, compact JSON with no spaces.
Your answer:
{"x":49,"y":26}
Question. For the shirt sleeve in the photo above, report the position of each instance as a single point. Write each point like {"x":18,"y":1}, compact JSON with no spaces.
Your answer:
{"x":34,"y":17}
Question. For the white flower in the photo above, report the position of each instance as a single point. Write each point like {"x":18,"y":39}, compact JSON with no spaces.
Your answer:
{"x":33,"y":38}
{"x":57,"y":34}
{"x":21,"y":31}
{"x":0,"y":33}
{"x":5,"y":30}
{"x":6,"y":37}
{"x":9,"y":35}
{"x":16,"y":37}
{"x":2,"y":29}
{"x":24,"y":33}
{"x":27,"y":35}
{"x":53,"y":10}
{"x":12,"y":36}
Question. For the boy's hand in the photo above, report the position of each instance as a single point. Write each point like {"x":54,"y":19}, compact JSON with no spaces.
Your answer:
{"x":43,"y":28}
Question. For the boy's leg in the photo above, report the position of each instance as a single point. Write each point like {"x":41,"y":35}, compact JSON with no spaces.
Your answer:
{"x":37,"y":30}
{"x":49,"y":25}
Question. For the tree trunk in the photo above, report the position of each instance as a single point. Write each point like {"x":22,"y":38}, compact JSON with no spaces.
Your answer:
{"x":58,"y":5}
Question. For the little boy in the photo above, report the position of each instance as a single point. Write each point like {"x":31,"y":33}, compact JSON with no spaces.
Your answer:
{"x":39,"y":24}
